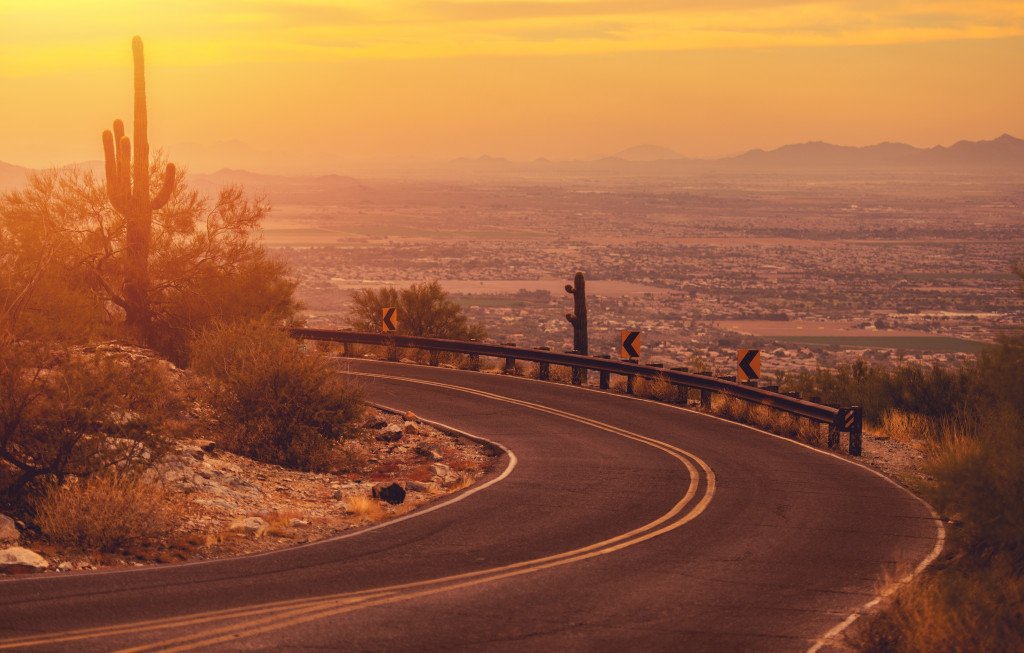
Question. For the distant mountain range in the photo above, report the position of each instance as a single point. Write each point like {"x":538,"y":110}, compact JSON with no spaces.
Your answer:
{"x":1003,"y":154}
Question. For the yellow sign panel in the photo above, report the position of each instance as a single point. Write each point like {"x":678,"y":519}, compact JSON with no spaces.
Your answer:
{"x":389,"y":319}
{"x":629,"y":344}
{"x":748,"y":364}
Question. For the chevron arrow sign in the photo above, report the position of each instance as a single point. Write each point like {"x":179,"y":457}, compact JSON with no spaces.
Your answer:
{"x":629,"y":344}
{"x":389,"y":319}
{"x":748,"y":364}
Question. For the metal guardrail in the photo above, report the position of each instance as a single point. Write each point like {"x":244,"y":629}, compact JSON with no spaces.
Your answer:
{"x":839,"y":419}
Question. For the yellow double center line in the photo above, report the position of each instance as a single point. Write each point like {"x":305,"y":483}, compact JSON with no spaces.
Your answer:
{"x":261,"y":619}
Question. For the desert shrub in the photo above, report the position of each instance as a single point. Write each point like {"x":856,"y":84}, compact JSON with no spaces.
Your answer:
{"x":105,"y":511}
{"x":952,"y":609}
{"x":65,"y":413}
{"x":278,"y":402}
{"x":935,"y":392}
{"x":63,"y":267}
{"x":658,"y":388}
{"x":975,"y":599}
{"x":424,"y":309}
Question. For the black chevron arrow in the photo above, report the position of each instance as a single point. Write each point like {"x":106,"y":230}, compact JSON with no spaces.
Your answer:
{"x":627,"y":344}
{"x":745,"y":364}
{"x":389,"y":319}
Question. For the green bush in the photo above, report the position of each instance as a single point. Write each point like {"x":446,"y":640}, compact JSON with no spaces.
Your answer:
{"x":278,"y":402}
{"x":424,"y":309}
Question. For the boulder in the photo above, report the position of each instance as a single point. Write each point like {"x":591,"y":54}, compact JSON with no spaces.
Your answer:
{"x":17,"y":559}
{"x":255,"y":526}
{"x":410,"y":427}
{"x":415,"y":486}
{"x":441,"y":470}
{"x":206,"y":445}
{"x":393,"y":494}
{"x":392,"y":433}
{"x":375,"y":422}
{"x":410,"y":416}
{"x":429,"y":453}
{"x":8,"y":530}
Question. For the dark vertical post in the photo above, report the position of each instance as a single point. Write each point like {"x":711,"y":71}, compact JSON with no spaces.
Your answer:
{"x":629,"y":383}
{"x":543,"y":369}
{"x":433,"y":357}
{"x":474,"y":362}
{"x":578,"y":319}
{"x":705,"y":399}
{"x":856,"y":429}
{"x":346,"y":349}
{"x":510,"y":361}
{"x":834,"y":429}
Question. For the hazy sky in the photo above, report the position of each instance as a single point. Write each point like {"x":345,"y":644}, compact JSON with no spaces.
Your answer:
{"x":333,"y":81}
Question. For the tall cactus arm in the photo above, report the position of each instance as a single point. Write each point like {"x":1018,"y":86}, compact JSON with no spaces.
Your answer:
{"x":124,"y":165}
{"x":165,"y":191}
{"x":569,"y":289}
{"x":115,"y":191}
{"x":571,"y":317}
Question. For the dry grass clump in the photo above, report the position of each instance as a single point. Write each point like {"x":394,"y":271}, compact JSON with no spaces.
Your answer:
{"x":658,"y":388}
{"x":950,"y":610}
{"x":105,"y":512}
{"x":907,"y":427}
{"x":364,"y":506}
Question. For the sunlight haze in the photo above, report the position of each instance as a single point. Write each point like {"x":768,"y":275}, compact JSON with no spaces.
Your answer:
{"x":308,"y":86}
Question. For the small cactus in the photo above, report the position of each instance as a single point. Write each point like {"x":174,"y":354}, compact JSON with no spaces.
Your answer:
{"x":128,"y":191}
{"x":578,"y":318}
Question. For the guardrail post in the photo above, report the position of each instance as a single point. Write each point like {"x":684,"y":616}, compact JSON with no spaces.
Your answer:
{"x":346,"y":349}
{"x":630,"y":379}
{"x":682,"y":391}
{"x":705,"y":399}
{"x":835,"y":428}
{"x":603,"y":378}
{"x":392,"y":350}
{"x":474,"y":362}
{"x":853,"y":419}
{"x":433,"y":358}
{"x":544,"y":369}
{"x":510,"y":361}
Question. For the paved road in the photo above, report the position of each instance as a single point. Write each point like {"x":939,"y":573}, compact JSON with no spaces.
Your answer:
{"x":615,"y":524}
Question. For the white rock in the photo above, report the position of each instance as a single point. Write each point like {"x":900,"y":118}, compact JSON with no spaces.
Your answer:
{"x":18,"y":559}
{"x":8,"y":530}
{"x":65,"y":566}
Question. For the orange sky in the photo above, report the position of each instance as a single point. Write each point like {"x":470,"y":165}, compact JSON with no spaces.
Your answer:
{"x":318,"y":85}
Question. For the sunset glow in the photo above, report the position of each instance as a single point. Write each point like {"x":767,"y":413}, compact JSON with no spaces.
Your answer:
{"x":330,"y":83}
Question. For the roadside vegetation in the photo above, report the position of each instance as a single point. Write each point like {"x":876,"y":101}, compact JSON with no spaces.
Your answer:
{"x":276,"y":401}
{"x":970,"y":422}
{"x":424,"y":309}
{"x":82,"y":422}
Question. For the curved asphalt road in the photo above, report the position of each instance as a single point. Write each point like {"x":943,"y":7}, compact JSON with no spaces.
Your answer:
{"x":589,"y":537}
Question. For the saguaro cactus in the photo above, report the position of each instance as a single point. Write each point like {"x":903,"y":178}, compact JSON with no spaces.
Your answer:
{"x":128,"y":190}
{"x":578,"y":319}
